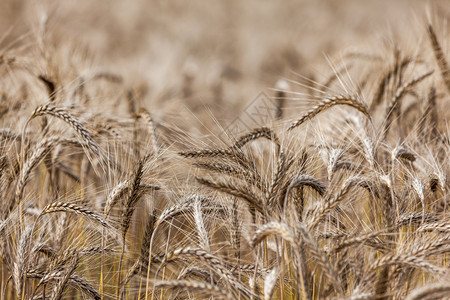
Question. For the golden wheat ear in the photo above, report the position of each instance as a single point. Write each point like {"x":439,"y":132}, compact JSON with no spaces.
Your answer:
{"x":59,"y":206}
{"x":64,"y":115}
{"x":330,"y":102}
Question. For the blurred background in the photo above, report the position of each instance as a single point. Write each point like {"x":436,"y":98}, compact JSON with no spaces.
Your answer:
{"x":214,"y":57}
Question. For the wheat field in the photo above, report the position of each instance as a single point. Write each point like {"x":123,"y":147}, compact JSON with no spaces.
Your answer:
{"x":228,"y":150}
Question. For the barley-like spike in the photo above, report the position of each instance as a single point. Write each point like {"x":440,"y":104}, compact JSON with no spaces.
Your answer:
{"x":394,"y":106}
{"x":69,"y":119}
{"x":60,"y":286}
{"x":329,"y":102}
{"x":145,"y":187}
{"x":277,"y":176}
{"x":240,"y":192}
{"x":249,"y":268}
{"x":193,"y":286}
{"x":94,"y":250}
{"x":45,"y":249}
{"x":402,"y":90}
{"x":145,"y":115}
{"x":443,"y":227}
{"x":431,"y":248}
{"x":233,"y":153}
{"x":419,"y":188}
{"x":212,"y":261}
{"x":438,"y":180}
{"x":440,"y":57}
{"x":42,"y":149}
{"x":200,"y":224}
{"x":199,"y":272}
{"x":386,"y":195}
{"x":359,"y":239}
{"x":150,"y":226}
{"x":74,"y":280}
{"x":278,"y":188}
{"x":207,"y":153}
{"x":173,"y":211}
{"x":402,"y":153}
{"x":176,"y":209}
{"x":344,"y":165}
{"x":20,"y":264}
{"x":416,"y":217}
{"x":334,"y":156}
{"x":430,"y":291}
{"x":84,"y":286}
{"x":332,"y":202}
{"x":304,"y":180}
{"x":407,"y":260}
{"x":133,"y":270}
{"x":430,"y":114}
{"x":235,"y":234}
{"x":384,"y":81}
{"x":118,"y":191}
{"x":58,"y":206}
{"x":54,"y":274}
{"x":252,"y":178}
{"x":274,"y":228}
{"x":256,"y":134}
{"x":321,"y":258}
{"x":133,"y":198}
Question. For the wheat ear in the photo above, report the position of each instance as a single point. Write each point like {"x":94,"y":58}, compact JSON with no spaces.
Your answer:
{"x":431,"y":291}
{"x":236,"y":191}
{"x":195,"y":285}
{"x":329,"y":102}
{"x":440,"y":57}
{"x":394,"y":106}
{"x":62,"y":114}
{"x":58,"y":206}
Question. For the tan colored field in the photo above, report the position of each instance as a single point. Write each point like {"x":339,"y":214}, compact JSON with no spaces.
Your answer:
{"x":224,"y":149}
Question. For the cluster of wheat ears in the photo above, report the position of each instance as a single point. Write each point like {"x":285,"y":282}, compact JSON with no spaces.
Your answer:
{"x":101,"y":207}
